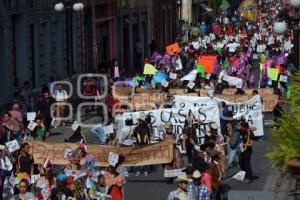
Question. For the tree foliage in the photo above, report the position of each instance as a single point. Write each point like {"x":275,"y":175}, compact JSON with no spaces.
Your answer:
{"x":287,"y":136}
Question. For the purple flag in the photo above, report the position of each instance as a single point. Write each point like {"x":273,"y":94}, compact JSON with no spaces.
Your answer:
{"x":280,"y":59}
{"x":155,"y":58}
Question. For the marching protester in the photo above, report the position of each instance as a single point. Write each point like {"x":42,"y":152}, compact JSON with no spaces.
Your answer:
{"x":176,"y":166}
{"x":25,"y":161}
{"x":246,"y":151}
{"x":182,"y":184}
{"x":142,"y":134}
{"x":45,"y":110}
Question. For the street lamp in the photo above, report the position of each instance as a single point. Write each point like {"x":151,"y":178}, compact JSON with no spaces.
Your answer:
{"x":68,"y":6}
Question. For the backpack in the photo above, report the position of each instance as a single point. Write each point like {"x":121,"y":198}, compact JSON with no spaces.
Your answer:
{"x":234,"y":139}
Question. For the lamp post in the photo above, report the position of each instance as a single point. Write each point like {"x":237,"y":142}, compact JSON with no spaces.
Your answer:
{"x":68,"y":6}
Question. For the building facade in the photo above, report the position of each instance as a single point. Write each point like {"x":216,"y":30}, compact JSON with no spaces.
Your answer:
{"x":33,"y":44}
{"x":101,"y":33}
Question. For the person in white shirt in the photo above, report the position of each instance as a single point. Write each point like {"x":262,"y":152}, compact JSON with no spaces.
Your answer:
{"x":60,"y":96}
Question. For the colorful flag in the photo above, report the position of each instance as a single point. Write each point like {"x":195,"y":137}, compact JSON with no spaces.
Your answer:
{"x":173,"y":49}
{"x":149,"y":69}
{"x":273,"y":74}
{"x":208,"y":62}
{"x":281,"y":59}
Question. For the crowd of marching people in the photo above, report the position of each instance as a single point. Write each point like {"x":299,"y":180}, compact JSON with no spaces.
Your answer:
{"x":246,"y":50}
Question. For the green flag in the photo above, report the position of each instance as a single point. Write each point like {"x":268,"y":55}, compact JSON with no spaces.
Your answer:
{"x":201,"y":70}
{"x":226,"y":64}
{"x":219,"y":50}
{"x":138,"y":78}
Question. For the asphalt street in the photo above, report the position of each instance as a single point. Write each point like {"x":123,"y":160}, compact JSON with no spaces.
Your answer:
{"x":154,"y":187}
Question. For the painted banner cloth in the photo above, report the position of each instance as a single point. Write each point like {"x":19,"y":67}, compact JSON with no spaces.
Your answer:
{"x":152,"y":154}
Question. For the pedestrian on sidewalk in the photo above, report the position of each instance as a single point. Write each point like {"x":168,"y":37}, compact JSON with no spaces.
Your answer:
{"x":61,"y":97}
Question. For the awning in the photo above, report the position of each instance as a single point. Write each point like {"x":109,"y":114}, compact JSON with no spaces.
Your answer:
{"x":205,"y":7}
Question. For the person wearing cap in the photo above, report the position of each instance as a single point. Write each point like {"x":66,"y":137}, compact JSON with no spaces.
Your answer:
{"x":181,"y":191}
{"x":61,"y":191}
{"x":197,"y":190}
{"x":142,"y":133}
{"x":172,"y":169}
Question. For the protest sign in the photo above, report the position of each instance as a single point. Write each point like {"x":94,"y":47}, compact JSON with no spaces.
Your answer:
{"x":12,"y":146}
{"x":75,"y":125}
{"x":31,"y":126}
{"x":191,"y":85}
{"x":31,"y":116}
{"x":173,"y":76}
{"x":153,"y":154}
{"x":178,"y":64}
{"x":283,"y":78}
{"x":165,"y":84}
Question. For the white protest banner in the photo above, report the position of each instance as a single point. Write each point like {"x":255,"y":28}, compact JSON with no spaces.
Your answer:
{"x":251,"y":110}
{"x":177,"y":117}
{"x":75,"y":125}
{"x":31,"y":116}
{"x":31,"y":125}
{"x":108,"y":129}
{"x":233,"y":81}
{"x":12,"y":146}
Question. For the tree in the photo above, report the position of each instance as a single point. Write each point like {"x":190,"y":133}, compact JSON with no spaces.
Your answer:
{"x":287,"y":137}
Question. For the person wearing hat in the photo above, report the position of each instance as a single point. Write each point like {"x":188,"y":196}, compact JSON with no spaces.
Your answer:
{"x":61,"y":191}
{"x":172,"y":169}
{"x":142,"y":133}
{"x":197,"y":190}
{"x":181,"y":191}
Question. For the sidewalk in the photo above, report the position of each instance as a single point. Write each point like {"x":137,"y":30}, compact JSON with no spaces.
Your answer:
{"x":280,"y":185}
